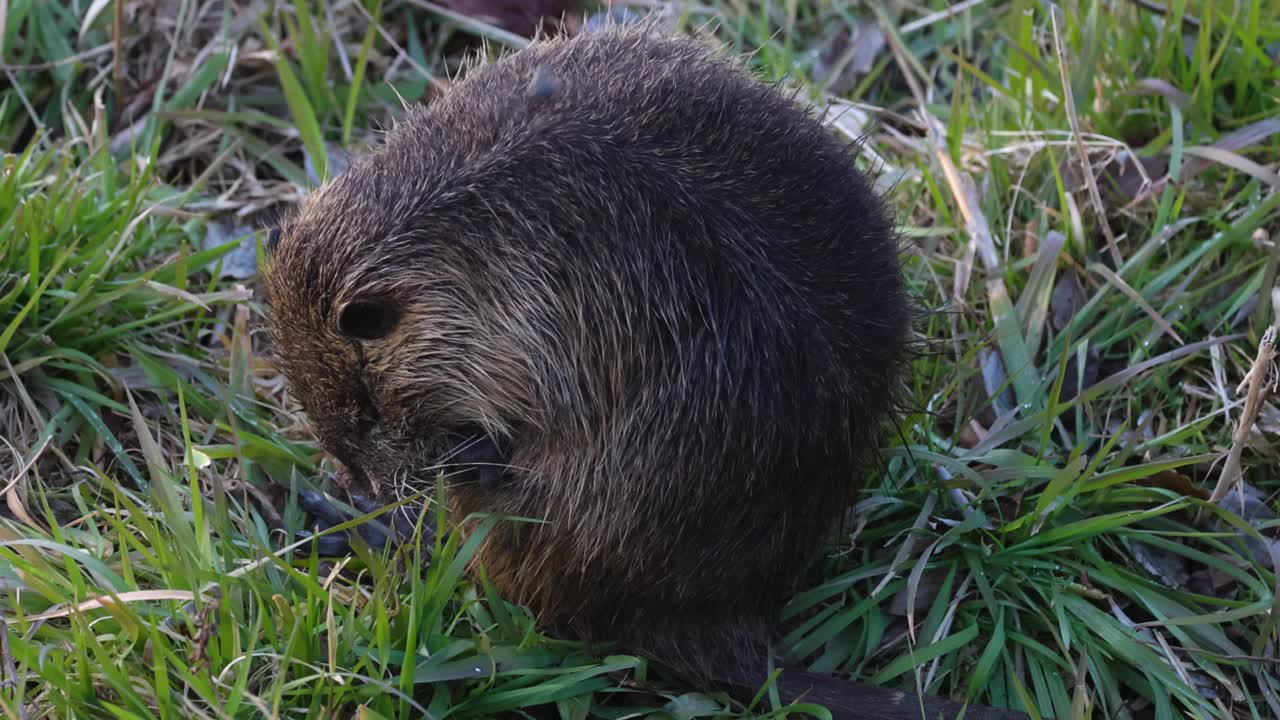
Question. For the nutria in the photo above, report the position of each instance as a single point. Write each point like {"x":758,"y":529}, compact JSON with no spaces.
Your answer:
{"x":650,"y":289}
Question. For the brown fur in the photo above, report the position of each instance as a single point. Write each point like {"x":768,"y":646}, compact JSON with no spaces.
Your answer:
{"x":657,"y":285}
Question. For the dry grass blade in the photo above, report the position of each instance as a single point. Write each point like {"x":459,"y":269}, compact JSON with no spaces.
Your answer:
{"x":1163,"y":88}
{"x":1117,"y":380}
{"x":1082,"y":154}
{"x":904,"y":552}
{"x":1256,"y":382}
{"x":1017,"y":361}
{"x":479,"y":27}
{"x":69,"y":60}
{"x":962,"y":187}
{"x":1237,"y":140}
{"x":101,"y":601}
{"x":178,"y":293}
{"x":1234,"y":161}
{"x":1124,"y":287}
{"x":15,"y":489}
{"x":937,"y":17}
{"x":91,"y":14}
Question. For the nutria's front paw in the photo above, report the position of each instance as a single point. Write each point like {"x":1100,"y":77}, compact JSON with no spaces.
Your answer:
{"x":483,"y":459}
{"x":396,"y":526}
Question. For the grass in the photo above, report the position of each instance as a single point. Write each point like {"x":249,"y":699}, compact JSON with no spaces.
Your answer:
{"x":1039,"y":535}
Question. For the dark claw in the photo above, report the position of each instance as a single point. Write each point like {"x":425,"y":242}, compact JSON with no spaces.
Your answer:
{"x":318,"y":507}
{"x":323,"y":515}
{"x":364,"y":503}
{"x":374,"y":533}
{"x":400,"y":520}
{"x":404,"y":523}
{"x":329,"y":545}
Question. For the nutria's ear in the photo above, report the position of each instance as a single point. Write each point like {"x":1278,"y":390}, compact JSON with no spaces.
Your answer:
{"x":368,"y":319}
{"x":543,"y":85}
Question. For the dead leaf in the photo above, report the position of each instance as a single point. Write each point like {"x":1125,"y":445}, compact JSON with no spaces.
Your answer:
{"x":848,"y":56}
{"x":1252,"y":506}
{"x":1211,"y":580}
{"x":1268,"y":422}
{"x":1176,"y":482}
{"x":241,"y":262}
{"x":1167,"y":567}
{"x":1072,"y":382}
{"x":1131,"y":177}
{"x":1067,"y":299}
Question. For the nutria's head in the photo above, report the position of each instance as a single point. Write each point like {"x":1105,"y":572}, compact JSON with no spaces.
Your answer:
{"x":423,"y":297}
{"x":374,"y":318}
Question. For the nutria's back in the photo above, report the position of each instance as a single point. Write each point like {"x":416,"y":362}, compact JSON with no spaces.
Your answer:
{"x":653,"y":287}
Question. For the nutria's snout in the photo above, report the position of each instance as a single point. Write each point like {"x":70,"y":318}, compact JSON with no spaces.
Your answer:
{"x":616,"y":284}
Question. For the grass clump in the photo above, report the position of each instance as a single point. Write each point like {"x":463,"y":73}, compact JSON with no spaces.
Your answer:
{"x":1091,"y":197}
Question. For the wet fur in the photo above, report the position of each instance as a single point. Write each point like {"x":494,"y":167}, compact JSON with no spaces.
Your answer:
{"x":662,"y":293}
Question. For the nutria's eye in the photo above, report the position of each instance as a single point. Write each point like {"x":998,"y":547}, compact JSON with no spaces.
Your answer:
{"x":273,"y":239}
{"x":368,"y":320}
